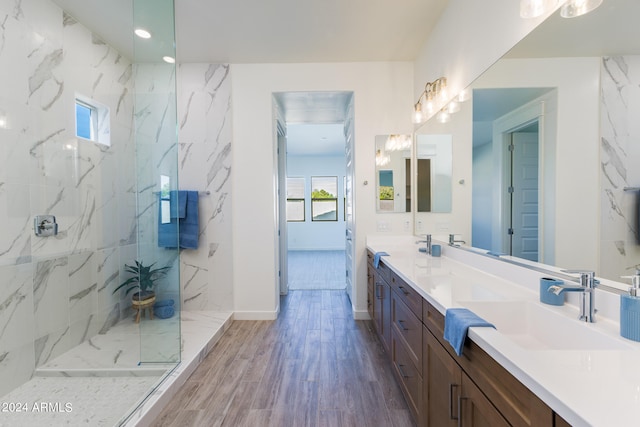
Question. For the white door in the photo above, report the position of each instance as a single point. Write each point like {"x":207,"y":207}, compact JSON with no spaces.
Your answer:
{"x":283,"y":267}
{"x":524,"y":195}
{"x":349,"y":200}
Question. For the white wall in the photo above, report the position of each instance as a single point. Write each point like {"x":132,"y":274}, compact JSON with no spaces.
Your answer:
{"x":481,"y":196}
{"x":317,"y":235}
{"x":383,"y":105}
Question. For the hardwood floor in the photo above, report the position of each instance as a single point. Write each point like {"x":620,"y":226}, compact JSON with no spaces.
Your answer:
{"x":313,"y":366}
{"x":316,"y":270}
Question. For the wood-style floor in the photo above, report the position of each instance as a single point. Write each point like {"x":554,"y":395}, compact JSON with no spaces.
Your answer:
{"x":313,"y":366}
{"x":316,"y":270}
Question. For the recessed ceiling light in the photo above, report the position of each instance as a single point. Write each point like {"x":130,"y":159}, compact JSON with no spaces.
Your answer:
{"x":142,"y":33}
{"x":169,"y":59}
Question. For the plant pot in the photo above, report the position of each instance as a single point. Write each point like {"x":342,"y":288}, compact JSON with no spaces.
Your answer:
{"x":141,"y":301}
{"x":142,"y":296}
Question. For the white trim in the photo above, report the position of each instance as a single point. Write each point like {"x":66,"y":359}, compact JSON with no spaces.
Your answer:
{"x":361,"y":315}
{"x":255,"y":315}
{"x":533,"y":111}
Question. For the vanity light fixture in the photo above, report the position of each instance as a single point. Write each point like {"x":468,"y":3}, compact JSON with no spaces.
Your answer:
{"x":142,"y":33}
{"x":573,"y":8}
{"x":397,"y":142}
{"x":169,"y":59}
{"x":535,"y":8}
{"x":443,"y":116}
{"x":382,"y":159}
{"x":434,"y":92}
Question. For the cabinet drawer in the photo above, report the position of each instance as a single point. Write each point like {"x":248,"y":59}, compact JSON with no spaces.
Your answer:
{"x":408,"y":328}
{"x":384,"y":271}
{"x":433,"y":319}
{"x":408,"y":375}
{"x":409,"y":296}
{"x":370,"y":257}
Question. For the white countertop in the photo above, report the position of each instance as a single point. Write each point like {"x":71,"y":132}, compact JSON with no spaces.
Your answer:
{"x":586,"y":387}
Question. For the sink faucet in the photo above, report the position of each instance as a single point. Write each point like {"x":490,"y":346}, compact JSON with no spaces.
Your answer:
{"x":587,"y":288}
{"x":453,"y":241}
{"x":427,"y":240}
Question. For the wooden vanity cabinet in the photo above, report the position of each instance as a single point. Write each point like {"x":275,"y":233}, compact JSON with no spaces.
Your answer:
{"x":515,"y":402}
{"x":379,"y":292}
{"x":440,"y":387}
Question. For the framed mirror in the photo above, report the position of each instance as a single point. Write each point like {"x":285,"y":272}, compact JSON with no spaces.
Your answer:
{"x":393,"y":173}
{"x":567,"y":99}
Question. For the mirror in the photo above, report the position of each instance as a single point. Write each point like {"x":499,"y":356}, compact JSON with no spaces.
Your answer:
{"x":567,"y":96}
{"x":433,"y":173}
{"x":393,"y":173}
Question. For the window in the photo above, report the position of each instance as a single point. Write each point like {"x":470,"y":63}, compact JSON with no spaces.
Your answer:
{"x":295,"y":200}
{"x":324,"y":198}
{"x":92,"y":121}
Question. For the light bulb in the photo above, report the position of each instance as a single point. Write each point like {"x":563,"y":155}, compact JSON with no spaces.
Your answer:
{"x":535,"y":8}
{"x":169,"y":59}
{"x":417,"y":118}
{"x":574,"y":8}
{"x":453,"y":107}
{"x":443,"y":116}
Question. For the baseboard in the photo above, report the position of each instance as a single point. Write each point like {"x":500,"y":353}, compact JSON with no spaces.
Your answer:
{"x":361,"y":315}
{"x":255,"y":315}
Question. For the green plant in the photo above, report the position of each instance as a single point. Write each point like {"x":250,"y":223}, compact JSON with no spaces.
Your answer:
{"x":144,"y":277}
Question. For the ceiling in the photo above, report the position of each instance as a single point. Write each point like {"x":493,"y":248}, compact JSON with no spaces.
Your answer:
{"x":273,"y":31}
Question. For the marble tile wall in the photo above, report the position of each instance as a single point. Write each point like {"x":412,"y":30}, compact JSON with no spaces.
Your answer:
{"x":205,"y":148}
{"x":620,"y":157}
{"x":56,"y":292}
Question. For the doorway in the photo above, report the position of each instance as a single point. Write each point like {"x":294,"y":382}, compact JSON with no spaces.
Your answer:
{"x":313,"y":177}
{"x":522,"y":192}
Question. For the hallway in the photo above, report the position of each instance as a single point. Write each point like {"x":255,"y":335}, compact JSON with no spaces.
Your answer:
{"x":316,"y":270}
{"x":313,"y":366}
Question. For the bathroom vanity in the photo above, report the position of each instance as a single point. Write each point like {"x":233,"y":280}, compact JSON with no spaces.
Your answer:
{"x":540,"y":366}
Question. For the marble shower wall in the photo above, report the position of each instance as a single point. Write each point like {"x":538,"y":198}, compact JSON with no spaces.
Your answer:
{"x":204,"y":136}
{"x":56,"y":292}
{"x":620,"y":157}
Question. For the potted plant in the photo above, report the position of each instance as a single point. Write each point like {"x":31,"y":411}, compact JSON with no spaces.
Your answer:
{"x":144,"y":279}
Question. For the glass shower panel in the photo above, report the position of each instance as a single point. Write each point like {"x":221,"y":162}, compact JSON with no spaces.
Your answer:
{"x":157,"y":180}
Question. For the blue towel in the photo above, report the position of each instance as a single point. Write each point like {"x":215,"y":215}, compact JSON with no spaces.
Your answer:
{"x":376,"y":258}
{"x":456,"y":323}
{"x":184,"y":228}
{"x":178,"y":203}
{"x":190,"y":225}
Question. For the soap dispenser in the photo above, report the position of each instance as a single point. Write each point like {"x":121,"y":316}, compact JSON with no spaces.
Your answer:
{"x":630,"y":309}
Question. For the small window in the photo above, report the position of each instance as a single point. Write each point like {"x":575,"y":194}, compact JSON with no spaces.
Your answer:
{"x":324,"y":198}
{"x":85,"y":117}
{"x":92,"y":121}
{"x":295,"y":200}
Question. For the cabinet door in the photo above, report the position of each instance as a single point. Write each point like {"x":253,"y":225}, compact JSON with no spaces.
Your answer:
{"x":475,"y":408}
{"x":382,"y":311}
{"x":371,"y":280}
{"x":442,"y":382}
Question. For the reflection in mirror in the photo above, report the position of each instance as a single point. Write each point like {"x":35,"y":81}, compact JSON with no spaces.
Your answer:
{"x":434,"y":160}
{"x":393,"y":173}
{"x":576,"y":85}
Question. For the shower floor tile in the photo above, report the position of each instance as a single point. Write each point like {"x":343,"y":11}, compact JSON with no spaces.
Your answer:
{"x":62,"y":401}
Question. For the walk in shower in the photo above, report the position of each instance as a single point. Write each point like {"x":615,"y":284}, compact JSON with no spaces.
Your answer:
{"x":88,"y":138}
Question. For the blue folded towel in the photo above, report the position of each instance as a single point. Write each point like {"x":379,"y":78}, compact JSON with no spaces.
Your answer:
{"x":376,"y":258}
{"x":456,"y":323}
{"x":184,"y":229}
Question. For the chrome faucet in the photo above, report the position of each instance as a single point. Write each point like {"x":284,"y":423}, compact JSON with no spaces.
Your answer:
{"x":587,"y":287}
{"x":453,"y":241}
{"x":427,"y":240}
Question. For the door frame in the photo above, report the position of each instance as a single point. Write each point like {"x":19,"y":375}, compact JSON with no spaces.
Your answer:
{"x":502,"y":129}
